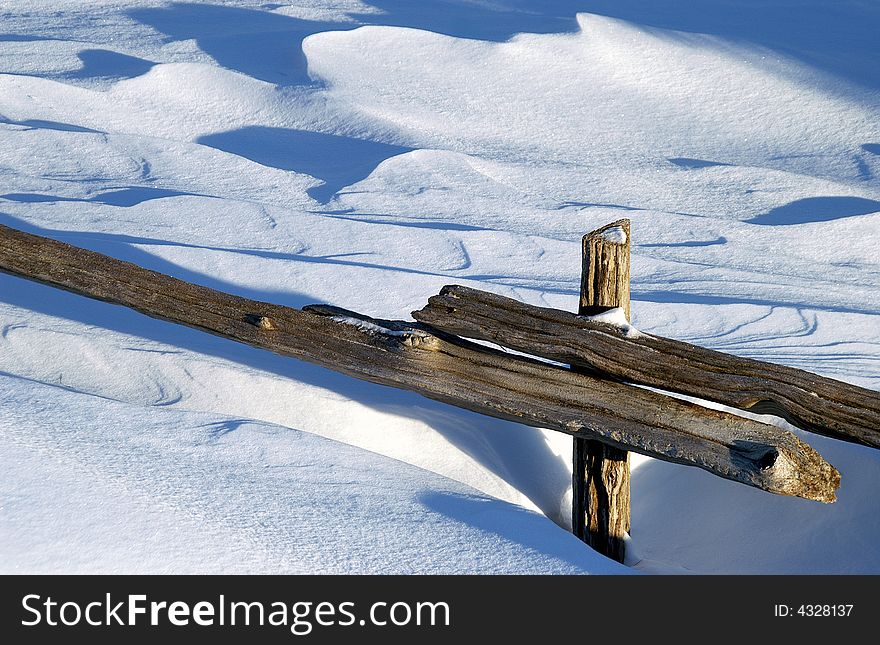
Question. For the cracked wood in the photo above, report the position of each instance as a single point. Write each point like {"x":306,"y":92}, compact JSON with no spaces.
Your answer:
{"x":812,"y":402}
{"x":600,"y":473}
{"x":445,"y":368}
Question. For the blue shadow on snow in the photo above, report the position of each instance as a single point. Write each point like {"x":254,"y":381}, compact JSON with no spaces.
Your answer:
{"x":667,"y":296}
{"x":117,"y":245}
{"x":22,"y":38}
{"x":690,"y":243}
{"x":338,"y":161}
{"x":516,"y":525}
{"x":40,"y":124}
{"x":125,"y":197}
{"x":350,"y":215}
{"x":816,"y":209}
{"x":260,"y":44}
{"x":268,"y":46}
{"x":105,"y":64}
{"x":839,"y":38}
{"x":694,"y":164}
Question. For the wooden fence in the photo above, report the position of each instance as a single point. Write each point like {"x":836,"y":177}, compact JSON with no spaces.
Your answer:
{"x":595,"y":401}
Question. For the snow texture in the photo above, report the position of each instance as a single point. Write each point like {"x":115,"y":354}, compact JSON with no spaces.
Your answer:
{"x":616,"y":317}
{"x":373,"y":328}
{"x":615,"y":235}
{"x":364,"y":153}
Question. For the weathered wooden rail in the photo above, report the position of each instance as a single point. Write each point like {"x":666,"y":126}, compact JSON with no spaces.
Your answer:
{"x":592,"y":402}
{"x":815,"y":403}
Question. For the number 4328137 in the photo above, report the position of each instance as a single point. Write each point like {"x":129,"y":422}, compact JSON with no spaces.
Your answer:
{"x":810,"y":611}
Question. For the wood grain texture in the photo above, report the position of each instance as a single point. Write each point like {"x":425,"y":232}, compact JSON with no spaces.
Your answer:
{"x":601,"y":473}
{"x":445,"y":368}
{"x":607,"y":484}
{"x":815,"y":403}
{"x":605,"y":270}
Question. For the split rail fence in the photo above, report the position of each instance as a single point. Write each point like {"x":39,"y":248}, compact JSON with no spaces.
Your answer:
{"x":597,"y":400}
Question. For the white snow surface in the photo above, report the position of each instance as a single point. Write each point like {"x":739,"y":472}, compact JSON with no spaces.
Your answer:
{"x":364,"y":153}
{"x":373,"y":328}
{"x":615,"y":235}
{"x":616,"y":317}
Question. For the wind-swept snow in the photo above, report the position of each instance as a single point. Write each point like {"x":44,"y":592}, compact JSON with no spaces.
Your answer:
{"x":363,"y":154}
{"x":159,"y":490}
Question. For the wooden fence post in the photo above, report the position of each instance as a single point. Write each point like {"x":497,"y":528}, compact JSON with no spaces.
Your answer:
{"x":600,"y":473}
{"x":442,"y":366}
